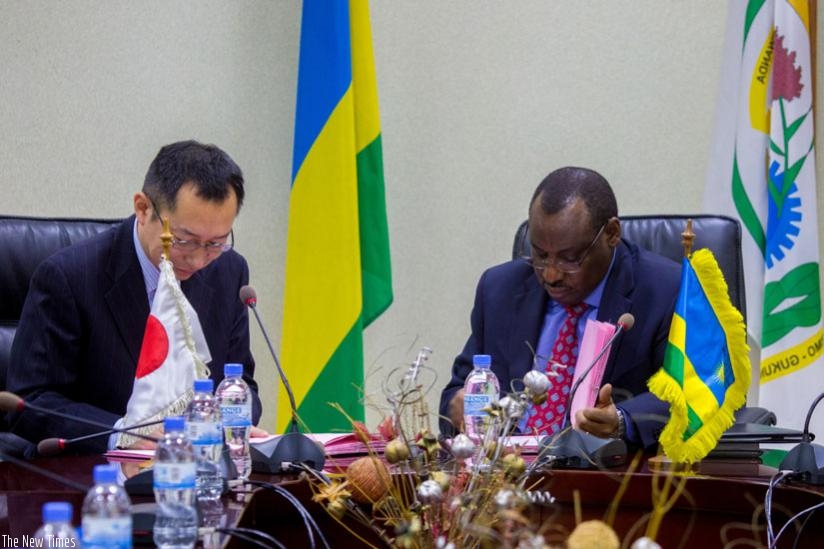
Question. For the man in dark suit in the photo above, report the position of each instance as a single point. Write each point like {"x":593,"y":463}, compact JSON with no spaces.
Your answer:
{"x":578,"y":257}
{"x":78,"y":342}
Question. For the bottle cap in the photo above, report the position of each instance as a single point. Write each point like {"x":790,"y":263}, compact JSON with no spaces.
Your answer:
{"x":105,"y":474}
{"x":173,"y":424}
{"x":232,"y":369}
{"x":57,"y":511}
{"x":204,"y":386}
{"x":482,"y":361}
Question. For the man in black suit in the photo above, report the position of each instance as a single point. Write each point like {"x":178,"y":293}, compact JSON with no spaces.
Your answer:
{"x":578,"y":257}
{"x":78,"y":342}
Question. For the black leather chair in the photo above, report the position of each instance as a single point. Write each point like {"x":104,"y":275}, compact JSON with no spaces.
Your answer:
{"x":662,"y":234}
{"x":24,"y":243}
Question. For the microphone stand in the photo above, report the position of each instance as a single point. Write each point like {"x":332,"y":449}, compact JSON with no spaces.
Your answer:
{"x":574,"y":449}
{"x":286,"y":452}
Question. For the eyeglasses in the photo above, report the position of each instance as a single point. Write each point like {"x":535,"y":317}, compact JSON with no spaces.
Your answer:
{"x":564,"y":265}
{"x":211,"y":248}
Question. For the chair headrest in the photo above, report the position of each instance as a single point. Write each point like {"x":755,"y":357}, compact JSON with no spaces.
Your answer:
{"x":24,"y":243}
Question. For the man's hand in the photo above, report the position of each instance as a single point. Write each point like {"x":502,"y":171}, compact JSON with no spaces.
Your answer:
{"x":456,"y":411}
{"x":257,"y":432}
{"x":146,"y":444}
{"x":602,"y":419}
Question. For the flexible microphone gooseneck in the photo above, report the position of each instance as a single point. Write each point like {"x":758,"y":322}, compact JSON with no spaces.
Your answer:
{"x":10,"y":402}
{"x":574,"y":449}
{"x":625,"y":323}
{"x":293,"y":447}
{"x":54,"y":446}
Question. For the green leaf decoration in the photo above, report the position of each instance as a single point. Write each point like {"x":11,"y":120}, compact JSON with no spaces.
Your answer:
{"x":802,"y":282}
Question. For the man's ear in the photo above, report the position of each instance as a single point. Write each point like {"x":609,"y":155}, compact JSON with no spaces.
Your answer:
{"x":143,"y":208}
{"x":613,"y":230}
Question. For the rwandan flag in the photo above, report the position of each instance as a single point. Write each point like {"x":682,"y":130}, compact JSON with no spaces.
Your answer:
{"x":706,"y":369}
{"x":338,"y":276}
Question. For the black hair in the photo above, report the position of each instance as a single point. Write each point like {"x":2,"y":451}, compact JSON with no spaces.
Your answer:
{"x":209,"y":168}
{"x":562,"y":187}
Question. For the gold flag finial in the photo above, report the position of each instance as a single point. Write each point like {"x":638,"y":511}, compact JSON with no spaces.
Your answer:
{"x":687,"y":238}
{"x":166,"y":237}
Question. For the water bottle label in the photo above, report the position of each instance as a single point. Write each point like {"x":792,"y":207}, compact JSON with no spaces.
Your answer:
{"x":100,"y":532}
{"x":236,"y":415}
{"x":474,"y":404}
{"x":204,"y":432}
{"x":174,"y":475}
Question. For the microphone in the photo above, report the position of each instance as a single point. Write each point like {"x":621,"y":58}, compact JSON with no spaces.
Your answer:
{"x":54,"y":446}
{"x":807,"y":458}
{"x":573,"y":449}
{"x":278,"y":455}
{"x":23,"y":464}
{"x":10,"y":402}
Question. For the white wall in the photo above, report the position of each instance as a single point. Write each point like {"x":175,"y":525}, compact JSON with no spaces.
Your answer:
{"x":479,"y":101}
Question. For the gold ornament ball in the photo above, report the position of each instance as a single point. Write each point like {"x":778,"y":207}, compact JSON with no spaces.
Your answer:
{"x":396,"y":451}
{"x":593,"y":534}
{"x":514,"y":465}
{"x":369,"y":478}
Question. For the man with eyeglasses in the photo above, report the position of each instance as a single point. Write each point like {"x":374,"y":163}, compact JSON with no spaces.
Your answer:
{"x":530,"y":313}
{"x":77,"y":345}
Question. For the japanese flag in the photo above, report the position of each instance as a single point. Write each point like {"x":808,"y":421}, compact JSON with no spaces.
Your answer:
{"x":174,"y":353}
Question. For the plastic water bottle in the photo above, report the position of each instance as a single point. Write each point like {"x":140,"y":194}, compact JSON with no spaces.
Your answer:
{"x":235,"y":400}
{"x":203,"y":427}
{"x":174,"y":488}
{"x":481,"y":389}
{"x":107,"y":512}
{"x":57,"y":529}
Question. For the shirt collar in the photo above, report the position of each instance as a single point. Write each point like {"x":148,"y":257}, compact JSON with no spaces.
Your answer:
{"x":151,"y":274}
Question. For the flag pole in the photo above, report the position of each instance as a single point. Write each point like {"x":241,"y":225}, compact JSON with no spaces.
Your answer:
{"x":166,"y":237}
{"x":687,"y":238}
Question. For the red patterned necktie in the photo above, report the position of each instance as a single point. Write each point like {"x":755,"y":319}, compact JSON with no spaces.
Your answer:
{"x":548,"y":418}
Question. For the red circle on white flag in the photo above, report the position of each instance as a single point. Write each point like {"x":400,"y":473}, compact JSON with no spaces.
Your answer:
{"x":155,"y":347}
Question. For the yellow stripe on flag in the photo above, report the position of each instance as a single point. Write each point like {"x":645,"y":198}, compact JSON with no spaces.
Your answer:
{"x":367,"y":123}
{"x":324,"y":289}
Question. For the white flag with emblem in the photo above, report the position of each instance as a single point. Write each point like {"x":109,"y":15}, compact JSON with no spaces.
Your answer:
{"x":762,"y":172}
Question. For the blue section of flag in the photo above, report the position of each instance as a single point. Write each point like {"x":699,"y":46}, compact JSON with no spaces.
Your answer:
{"x":706,"y":343}
{"x":324,"y":71}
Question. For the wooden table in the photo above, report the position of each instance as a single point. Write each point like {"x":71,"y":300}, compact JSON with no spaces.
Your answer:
{"x":711,"y":512}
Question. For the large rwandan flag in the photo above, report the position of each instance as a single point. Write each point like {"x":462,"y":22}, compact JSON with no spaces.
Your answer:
{"x":338,"y":277}
{"x":762,"y":171}
{"x":706,"y":371}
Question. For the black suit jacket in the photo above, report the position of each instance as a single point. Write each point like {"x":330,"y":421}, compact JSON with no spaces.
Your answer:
{"x":78,"y":342}
{"x":509,"y":310}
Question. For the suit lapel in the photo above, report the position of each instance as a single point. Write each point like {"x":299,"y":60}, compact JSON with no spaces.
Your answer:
{"x":126,"y":296}
{"x":615,"y":300}
{"x":525,"y":326}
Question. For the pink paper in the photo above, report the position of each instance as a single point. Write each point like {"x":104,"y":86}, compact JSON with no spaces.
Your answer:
{"x":596,"y":335}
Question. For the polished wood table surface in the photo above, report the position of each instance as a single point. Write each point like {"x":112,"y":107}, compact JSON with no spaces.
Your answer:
{"x":711,"y":511}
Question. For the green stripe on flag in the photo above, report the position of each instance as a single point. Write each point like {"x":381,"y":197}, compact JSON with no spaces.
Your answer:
{"x":339,"y":383}
{"x":374,"y":233}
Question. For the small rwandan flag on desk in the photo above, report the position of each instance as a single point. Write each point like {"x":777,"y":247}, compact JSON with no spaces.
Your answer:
{"x":338,"y":276}
{"x":706,"y":369}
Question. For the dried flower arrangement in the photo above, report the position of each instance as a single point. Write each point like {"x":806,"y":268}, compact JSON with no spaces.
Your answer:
{"x":422,"y":492}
